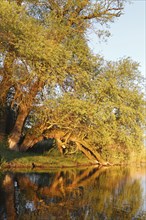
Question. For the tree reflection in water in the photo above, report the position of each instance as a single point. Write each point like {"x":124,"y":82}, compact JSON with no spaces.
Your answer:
{"x":89,"y":193}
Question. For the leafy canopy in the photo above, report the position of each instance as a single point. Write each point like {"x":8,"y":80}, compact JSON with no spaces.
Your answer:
{"x":49,"y":72}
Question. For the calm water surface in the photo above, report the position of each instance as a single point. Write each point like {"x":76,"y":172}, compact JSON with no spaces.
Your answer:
{"x":89,"y":193}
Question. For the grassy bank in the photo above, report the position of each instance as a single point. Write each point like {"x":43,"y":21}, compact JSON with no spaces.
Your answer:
{"x":53,"y":159}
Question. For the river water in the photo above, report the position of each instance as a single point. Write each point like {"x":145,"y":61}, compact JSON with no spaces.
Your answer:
{"x":86,"y":194}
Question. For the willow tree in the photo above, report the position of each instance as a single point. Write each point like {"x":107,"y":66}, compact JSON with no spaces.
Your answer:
{"x":104,"y":119}
{"x":45,"y":56}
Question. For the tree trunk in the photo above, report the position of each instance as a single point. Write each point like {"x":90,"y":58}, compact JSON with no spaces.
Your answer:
{"x":90,"y":152}
{"x":62,"y":138}
{"x":29,"y":141}
{"x":86,"y":152}
{"x":60,"y":145}
{"x":2,"y":124}
{"x":16,"y":133}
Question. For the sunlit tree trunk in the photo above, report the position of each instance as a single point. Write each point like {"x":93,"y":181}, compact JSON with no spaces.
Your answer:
{"x":29,"y":141}
{"x":62,"y":138}
{"x":5,"y":84}
{"x":16,"y":133}
{"x":25,"y":107}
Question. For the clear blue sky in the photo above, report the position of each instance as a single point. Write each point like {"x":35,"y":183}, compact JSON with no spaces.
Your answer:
{"x":128,"y":36}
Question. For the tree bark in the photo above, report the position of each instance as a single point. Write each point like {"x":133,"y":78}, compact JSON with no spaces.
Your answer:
{"x":2,"y":124}
{"x":90,"y":152}
{"x":24,"y":108}
{"x":60,"y":145}
{"x":16,"y":133}
{"x":29,"y":141}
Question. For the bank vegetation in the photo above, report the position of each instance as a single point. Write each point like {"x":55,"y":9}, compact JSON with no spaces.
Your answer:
{"x":53,"y":88}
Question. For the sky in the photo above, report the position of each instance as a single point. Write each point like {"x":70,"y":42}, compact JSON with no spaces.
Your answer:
{"x":128,"y":36}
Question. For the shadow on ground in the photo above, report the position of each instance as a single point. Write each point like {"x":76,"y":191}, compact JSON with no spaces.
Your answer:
{"x":39,"y":149}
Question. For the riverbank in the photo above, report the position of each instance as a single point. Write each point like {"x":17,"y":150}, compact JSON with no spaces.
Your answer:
{"x":51,"y":159}
{"x":48,"y":160}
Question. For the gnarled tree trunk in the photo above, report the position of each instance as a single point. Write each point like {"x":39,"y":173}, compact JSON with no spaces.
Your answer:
{"x":16,"y":133}
{"x":62,"y":138}
{"x":29,"y":141}
{"x":24,"y":109}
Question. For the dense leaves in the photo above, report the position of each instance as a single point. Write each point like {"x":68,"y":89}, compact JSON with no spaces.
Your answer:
{"x":109,"y":114}
{"x":56,"y":88}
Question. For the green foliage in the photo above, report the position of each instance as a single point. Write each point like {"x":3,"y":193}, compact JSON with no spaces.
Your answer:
{"x":46,"y":160}
{"x":49,"y":74}
{"x":111,"y":116}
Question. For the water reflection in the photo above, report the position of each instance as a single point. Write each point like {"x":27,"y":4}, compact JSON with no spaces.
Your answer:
{"x":90,"y":193}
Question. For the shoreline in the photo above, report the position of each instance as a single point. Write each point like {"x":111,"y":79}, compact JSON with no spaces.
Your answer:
{"x":11,"y":160}
{"x":41,"y":167}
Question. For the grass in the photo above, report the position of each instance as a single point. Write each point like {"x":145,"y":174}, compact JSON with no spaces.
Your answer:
{"x":52,"y":158}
